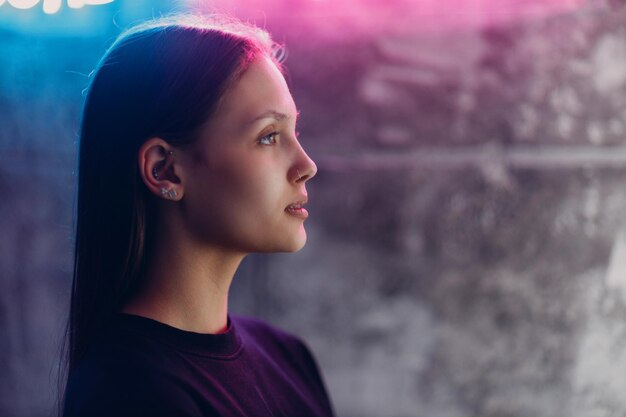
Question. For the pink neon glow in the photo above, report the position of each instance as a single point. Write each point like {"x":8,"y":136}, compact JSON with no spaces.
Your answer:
{"x":354,"y":16}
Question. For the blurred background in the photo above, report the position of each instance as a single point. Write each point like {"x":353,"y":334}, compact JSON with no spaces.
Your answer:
{"x":467,"y":243}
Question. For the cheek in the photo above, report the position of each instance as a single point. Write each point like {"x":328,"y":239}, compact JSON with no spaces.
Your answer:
{"x":245,"y":183}
{"x":235,"y":207}
{"x":257,"y":193}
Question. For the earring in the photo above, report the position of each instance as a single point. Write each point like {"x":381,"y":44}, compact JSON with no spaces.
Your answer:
{"x":155,"y":174}
{"x":170,"y":194}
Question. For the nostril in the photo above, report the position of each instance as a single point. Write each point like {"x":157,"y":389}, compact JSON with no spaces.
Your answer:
{"x":300,"y":177}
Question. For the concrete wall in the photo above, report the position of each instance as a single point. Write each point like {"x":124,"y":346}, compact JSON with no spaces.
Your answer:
{"x":466,"y":240}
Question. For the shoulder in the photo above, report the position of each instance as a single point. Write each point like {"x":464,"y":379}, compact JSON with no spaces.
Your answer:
{"x":287,"y":352}
{"x":276,"y":342}
{"x":261,"y":331}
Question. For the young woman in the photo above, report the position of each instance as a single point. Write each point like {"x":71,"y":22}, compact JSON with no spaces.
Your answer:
{"x":189,"y":161}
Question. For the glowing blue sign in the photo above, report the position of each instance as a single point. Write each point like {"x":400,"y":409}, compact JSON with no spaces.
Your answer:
{"x":53,"y":6}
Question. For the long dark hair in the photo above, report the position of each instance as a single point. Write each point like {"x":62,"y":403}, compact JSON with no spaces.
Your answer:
{"x":162,"y":78}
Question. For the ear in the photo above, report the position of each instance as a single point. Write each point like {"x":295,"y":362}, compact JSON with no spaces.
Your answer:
{"x":158,"y":169}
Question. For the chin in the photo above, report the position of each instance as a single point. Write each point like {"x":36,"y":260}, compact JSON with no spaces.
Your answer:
{"x":293,"y":245}
{"x":298,"y":247}
{"x":278,"y":241}
{"x":283,"y":246}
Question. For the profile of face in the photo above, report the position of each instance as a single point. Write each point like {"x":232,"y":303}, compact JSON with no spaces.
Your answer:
{"x":239,"y":179}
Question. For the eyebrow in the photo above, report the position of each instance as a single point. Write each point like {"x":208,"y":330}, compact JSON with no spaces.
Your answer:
{"x":278,"y":116}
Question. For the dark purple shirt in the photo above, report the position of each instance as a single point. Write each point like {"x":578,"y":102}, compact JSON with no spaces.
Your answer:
{"x":143,"y":368}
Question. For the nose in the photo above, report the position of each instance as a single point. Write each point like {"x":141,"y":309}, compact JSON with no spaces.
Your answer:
{"x":303,"y":167}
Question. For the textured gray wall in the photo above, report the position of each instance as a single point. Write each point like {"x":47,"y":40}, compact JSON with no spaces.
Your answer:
{"x":467,"y":242}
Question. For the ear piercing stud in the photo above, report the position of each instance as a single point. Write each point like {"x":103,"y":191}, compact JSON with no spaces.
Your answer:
{"x":170,"y":194}
{"x":165,"y":193}
{"x":155,"y":173}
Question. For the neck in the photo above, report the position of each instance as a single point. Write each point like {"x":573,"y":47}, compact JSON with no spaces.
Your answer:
{"x":186,"y":286}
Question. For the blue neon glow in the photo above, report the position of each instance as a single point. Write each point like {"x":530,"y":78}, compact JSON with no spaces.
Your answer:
{"x":77,"y":17}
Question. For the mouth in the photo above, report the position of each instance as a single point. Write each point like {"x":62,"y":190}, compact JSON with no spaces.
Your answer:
{"x":297,"y":209}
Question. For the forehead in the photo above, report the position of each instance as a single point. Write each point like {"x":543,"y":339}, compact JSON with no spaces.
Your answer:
{"x":260,"y":89}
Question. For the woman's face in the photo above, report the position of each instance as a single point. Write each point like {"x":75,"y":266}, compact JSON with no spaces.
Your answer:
{"x":248,"y":167}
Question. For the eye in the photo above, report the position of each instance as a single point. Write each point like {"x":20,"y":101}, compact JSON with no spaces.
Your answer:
{"x":268,"y":139}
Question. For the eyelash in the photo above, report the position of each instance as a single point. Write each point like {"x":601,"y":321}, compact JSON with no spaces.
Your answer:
{"x":271,"y":136}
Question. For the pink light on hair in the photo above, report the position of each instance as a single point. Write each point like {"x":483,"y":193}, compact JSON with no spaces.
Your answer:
{"x":353,"y":17}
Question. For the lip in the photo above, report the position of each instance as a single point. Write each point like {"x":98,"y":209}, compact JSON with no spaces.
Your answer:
{"x":300,"y":211}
